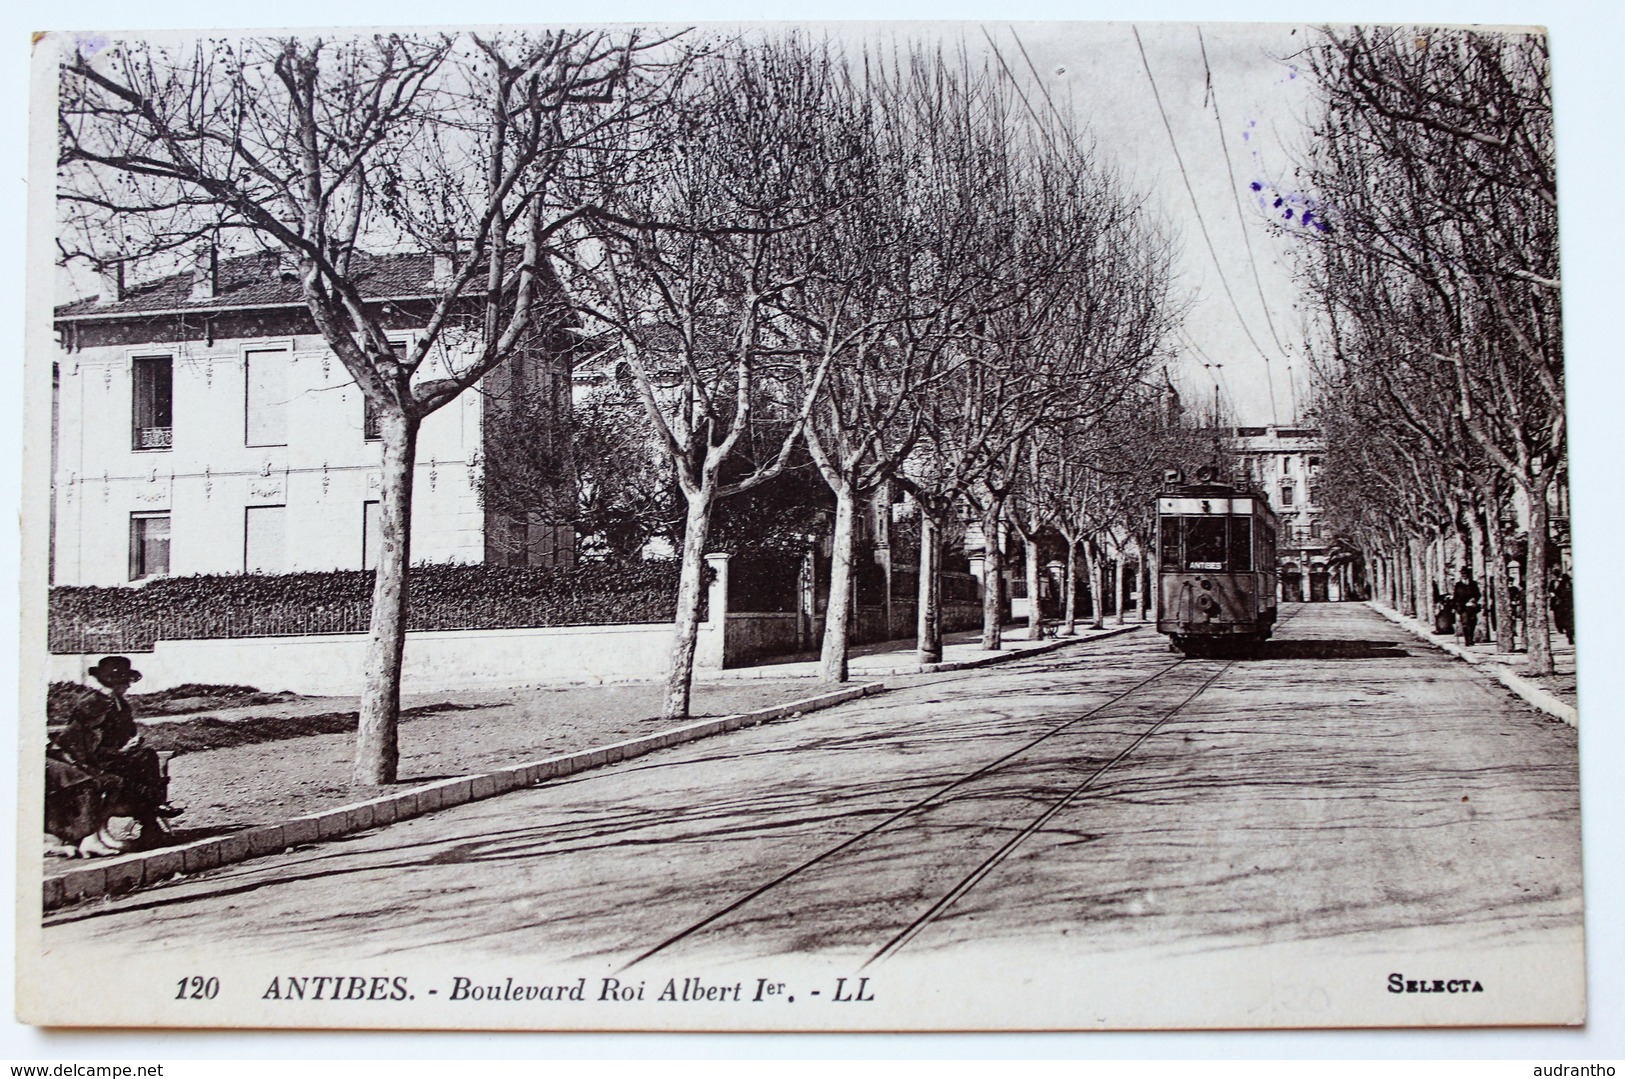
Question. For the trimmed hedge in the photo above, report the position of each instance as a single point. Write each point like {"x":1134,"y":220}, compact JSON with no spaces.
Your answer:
{"x":441,"y":597}
{"x":765,"y":581}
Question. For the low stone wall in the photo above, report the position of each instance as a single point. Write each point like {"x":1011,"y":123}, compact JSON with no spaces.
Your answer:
{"x":751,"y":636}
{"x":957,"y":616}
{"x":335,"y":664}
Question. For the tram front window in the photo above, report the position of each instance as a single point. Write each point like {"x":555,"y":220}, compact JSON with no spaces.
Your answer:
{"x":1205,"y":542}
{"x":1170,"y":543}
{"x":1241,"y":544}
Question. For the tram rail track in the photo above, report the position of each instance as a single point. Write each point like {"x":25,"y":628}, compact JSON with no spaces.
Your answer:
{"x":940,"y":796}
{"x":998,"y":857}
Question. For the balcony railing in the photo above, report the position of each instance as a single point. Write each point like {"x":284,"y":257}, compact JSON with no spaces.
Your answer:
{"x":154,"y":438}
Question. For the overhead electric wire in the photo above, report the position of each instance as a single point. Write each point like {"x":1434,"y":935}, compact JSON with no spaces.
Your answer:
{"x":1222,"y":383}
{"x":1201,"y":222}
{"x":1043,"y":128}
{"x":1208,"y":361}
{"x":1066,"y":128}
{"x":1241,"y":221}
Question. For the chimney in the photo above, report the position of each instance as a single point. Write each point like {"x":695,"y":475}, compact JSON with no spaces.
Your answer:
{"x":112,"y":275}
{"x":206,"y":273}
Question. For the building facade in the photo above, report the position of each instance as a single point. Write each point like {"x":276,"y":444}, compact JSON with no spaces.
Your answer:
{"x":203,"y":426}
{"x":1285,"y":464}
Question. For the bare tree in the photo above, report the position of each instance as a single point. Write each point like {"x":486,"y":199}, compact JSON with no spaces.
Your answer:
{"x":884,"y":298}
{"x":328,"y":149}
{"x":687,"y":269}
{"x":1437,"y":252}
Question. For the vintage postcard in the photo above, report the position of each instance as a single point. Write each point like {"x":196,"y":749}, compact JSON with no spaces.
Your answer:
{"x":864,"y":526}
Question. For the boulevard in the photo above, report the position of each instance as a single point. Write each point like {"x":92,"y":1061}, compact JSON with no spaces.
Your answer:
{"x":1348,"y":784}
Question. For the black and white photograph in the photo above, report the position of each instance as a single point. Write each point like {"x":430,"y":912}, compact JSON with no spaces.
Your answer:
{"x":798,"y":526}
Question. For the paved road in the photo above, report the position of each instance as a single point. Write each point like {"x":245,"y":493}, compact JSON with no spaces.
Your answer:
{"x":1351,"y":789}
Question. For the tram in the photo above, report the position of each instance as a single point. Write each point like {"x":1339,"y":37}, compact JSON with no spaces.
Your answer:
{"x":1216,"y":566}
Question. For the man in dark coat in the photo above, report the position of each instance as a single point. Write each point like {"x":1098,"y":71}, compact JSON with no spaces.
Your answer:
{"x":1563,"y":605}
{"x":1467,"y":599}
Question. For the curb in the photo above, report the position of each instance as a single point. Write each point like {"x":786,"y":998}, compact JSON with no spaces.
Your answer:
{"x":1004,"y":656}
{"x":117,"y":876}
{"x":1521,"y":687}
{"x":126,"y":874}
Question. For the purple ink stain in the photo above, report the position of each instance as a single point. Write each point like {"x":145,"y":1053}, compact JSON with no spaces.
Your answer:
{"x":1279,"y":201}
{"x":1288,"y":215}
{"x":1257,"y":186}
{"x":90,"y":44}
{"x":1308,"y":217}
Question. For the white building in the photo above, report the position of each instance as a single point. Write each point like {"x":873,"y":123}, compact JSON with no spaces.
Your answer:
{"x":1285,"y":463}
{"x":203,"y":426}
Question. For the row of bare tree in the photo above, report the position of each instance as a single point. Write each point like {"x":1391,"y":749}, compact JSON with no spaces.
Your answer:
{"x":889,"y":257}
{"x":1434,"y":261}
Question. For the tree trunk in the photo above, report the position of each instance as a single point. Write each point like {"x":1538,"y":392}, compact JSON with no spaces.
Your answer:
{"x":1409,"y":596}
{"x":1494,"y":567}
{"x":838,"y":612}
{"x":1097,"y":608}
{"x":1438,"y":577}
{"x":928,"y":635}
{"x":1035,"y":609}
{"x":1537,"y":615}
{"x":377,"y":751}
{"x":1120,"y":582}
{"x":690,"y":588}
{"x":1147,"y":580}
{"x":1424,"y":595}
{"x":1069,"y":623}
{"x":992,"y":577}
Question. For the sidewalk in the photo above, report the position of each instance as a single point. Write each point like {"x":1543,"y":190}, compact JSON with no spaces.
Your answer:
{"x":960,"y":651}
{"x":268,"y":794}
{"x":1555,"y":694}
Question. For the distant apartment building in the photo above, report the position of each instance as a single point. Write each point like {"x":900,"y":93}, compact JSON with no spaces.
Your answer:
{"x":202,"y":425}
{"x":1285,"y":464}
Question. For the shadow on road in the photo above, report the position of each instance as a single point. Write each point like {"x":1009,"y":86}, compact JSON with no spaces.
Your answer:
{"x":1333,"y":649}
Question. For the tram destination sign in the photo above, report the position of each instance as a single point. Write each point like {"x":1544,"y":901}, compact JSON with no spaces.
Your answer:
{"x":1198,"y":507}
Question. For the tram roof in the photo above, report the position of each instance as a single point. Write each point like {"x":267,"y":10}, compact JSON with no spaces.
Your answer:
{"x":1261,"y":503}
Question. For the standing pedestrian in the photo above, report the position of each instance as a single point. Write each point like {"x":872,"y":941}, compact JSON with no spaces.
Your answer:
{"x":1563,"y":605}
{"x":1467,"y":599}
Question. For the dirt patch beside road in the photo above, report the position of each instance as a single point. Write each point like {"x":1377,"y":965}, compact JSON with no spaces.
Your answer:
{"x":238,"y":773}
{"x":207,"y":733}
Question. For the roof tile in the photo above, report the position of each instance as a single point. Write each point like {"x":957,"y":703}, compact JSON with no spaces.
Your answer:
{"x":253,"y":281}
